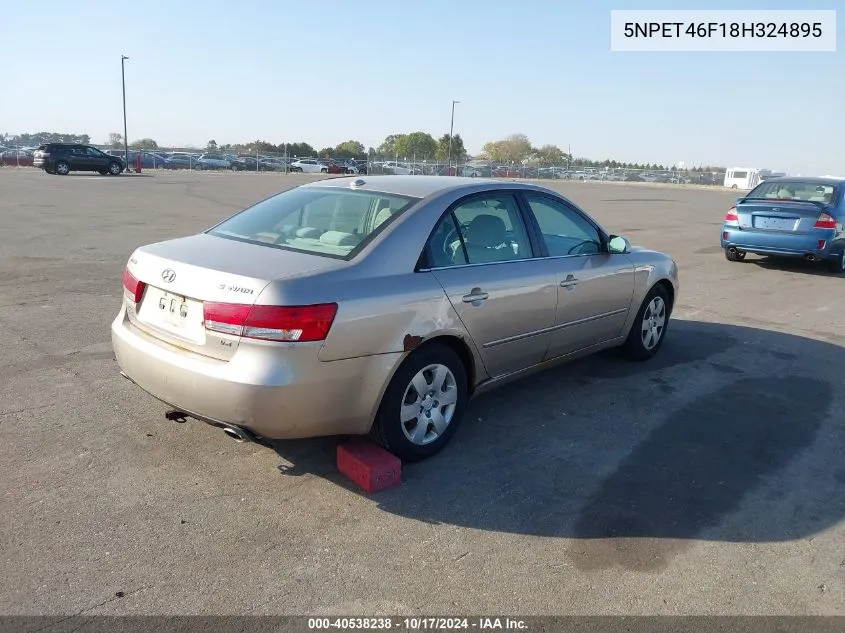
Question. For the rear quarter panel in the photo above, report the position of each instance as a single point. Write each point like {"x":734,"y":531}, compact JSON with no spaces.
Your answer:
{"x":386,"y":314}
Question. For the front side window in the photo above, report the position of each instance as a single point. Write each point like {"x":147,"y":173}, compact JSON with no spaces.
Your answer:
{"x":322,"y":221}
{"x":564,"y":230}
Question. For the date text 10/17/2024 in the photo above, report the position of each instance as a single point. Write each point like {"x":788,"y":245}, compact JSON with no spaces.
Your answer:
{"x":723,"y":31}
{"x":418,"y":624}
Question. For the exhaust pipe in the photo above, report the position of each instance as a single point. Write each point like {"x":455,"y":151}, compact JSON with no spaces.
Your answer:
{"x":237,"y":434}
{"x":810,"y":257}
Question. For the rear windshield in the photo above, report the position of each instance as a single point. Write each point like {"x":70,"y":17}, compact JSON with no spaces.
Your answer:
{"x":332,"y":222}
{"x":795,"y":190}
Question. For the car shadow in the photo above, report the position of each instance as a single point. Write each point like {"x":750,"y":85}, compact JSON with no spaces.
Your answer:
{"x":792,"y":264}
{"x":726,"y":435}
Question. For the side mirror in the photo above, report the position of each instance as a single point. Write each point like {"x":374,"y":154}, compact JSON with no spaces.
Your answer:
{"x":618,"y":245}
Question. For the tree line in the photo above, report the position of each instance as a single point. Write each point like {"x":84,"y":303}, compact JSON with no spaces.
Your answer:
{"x":414,"y":146}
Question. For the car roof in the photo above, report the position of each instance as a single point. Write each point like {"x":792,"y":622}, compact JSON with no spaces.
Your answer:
{"x":415,"y":186}
{"x":818,"y":180}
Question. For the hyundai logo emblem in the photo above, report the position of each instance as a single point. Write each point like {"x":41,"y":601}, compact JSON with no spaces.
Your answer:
{"x":168,"y":275}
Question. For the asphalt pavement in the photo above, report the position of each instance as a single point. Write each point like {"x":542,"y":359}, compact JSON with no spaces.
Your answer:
{"x":706,"y":481}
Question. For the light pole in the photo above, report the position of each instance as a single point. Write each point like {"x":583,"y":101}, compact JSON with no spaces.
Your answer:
{"x":451,"y":133}
{"x":125,"y":137}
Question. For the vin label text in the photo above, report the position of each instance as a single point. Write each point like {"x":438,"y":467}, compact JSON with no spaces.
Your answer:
{"x":723,"y":31}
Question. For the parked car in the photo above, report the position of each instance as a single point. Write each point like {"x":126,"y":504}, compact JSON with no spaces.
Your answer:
{"x":63,"y":158}
{"x":180,"y":161}
{"x":381,"y":305}
{"x":272,"y":164}
{"x":214,"y":161}
{"x":310,"y":166}
{"x":398,"y":169}
{"x":506,"y":172}
{"x":352,"y":166}
{"x":16,"y":158}
{"x":789,"y":217}
{"x":149,"y":160}
{"x":460,"y":170}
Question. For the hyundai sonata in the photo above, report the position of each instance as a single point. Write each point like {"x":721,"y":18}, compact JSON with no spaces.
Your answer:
{"x":380,"y":305}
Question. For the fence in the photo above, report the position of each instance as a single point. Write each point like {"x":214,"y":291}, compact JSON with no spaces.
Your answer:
{"x":197,"y":160}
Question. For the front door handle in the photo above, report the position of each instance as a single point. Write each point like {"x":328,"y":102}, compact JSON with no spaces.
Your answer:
{"x":569,"y":282}
{"x":475,"y":295}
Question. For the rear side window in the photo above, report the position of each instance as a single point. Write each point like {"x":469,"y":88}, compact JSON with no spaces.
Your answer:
{"x":323,"y":221}
{"x":797,"y":191}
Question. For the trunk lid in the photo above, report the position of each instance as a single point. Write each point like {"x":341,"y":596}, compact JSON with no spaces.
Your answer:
{"x":784,"y":216}
{"x":181,"y":275}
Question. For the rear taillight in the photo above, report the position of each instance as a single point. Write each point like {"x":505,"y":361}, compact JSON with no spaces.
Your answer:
{"x":133,"y":289}
{"x":825,"y":221}
{"x":731,"y":215}
{"x":271,"y":323}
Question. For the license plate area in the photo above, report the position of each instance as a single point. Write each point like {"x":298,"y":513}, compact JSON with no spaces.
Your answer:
{"x":768,"y":223}
{"x":174,"y":309}
{"x":173,"y":314}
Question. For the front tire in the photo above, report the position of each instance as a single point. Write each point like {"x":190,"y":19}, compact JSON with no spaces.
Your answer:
{"x":423,"y":404}
{"x":649,"y":328}
{"x":114,"y":169}
{"x":324,"y":171}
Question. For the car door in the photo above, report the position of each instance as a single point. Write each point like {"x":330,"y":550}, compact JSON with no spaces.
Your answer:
{"x":505,"y":297}
{"x":97,"y":159}
{"x":80,"y":160}
{"x":595,"y":287}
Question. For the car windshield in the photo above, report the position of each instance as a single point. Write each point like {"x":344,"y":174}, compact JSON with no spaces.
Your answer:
{"x":795,"y":190}
{"x":332,"y":222}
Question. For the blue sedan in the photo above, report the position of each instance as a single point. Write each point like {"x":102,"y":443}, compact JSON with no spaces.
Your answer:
{"x":789,"y":217}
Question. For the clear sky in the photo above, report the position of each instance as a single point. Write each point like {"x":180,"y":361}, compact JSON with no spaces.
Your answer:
{"x":332,"y":70}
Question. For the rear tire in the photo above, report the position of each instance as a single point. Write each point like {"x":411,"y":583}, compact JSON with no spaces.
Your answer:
{"x":324,"y":171}
{"x":734,"y":256}
{"x":62,"y":168}
{"x":837,"y":265}
{"x":649,"y":329}
{"x":430,"y":391}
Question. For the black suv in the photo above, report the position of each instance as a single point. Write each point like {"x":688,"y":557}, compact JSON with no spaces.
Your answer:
{"x":63,"y":158}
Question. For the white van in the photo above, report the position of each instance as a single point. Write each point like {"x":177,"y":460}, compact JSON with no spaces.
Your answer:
{"x":745,"y":177}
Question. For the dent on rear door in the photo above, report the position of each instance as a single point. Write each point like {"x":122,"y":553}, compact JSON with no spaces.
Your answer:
{"x":390,"y":315}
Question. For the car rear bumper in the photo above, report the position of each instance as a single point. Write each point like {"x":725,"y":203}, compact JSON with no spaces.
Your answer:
{"x":274,"y":391}
{"x":820,"y":243}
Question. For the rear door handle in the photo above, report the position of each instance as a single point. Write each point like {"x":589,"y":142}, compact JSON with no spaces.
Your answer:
{"x":474,"y":296}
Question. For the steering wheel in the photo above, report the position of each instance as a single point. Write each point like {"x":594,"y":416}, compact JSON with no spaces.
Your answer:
{"x":576,"y":250}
